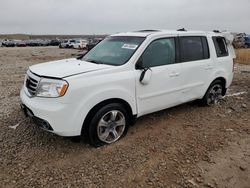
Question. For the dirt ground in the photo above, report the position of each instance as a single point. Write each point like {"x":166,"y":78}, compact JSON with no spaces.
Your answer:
{"x":185,"y":146}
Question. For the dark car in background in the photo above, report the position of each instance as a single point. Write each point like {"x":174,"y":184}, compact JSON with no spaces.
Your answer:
{"x":20,"y":43}
{"x":93,"y":43}
{"x":247,"y":41}
{"x":9,"y":43}
{"x":38,"y":42}
{"x":54,"y":42}
{"x":239,"y":42}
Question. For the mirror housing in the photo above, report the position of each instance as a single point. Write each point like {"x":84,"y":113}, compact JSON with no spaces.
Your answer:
{"x":146,"y":76}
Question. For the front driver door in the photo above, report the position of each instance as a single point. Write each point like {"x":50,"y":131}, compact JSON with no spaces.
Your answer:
{"x":164,"y":88}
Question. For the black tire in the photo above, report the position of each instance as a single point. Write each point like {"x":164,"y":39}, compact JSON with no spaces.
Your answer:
{"x":206,"y":100}
{"x":93,"y":125}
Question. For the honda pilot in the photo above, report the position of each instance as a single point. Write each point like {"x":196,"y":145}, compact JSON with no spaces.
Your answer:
{"x":125,"y":76}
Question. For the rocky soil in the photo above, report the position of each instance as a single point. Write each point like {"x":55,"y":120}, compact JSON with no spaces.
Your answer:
{"x":185,"y":146}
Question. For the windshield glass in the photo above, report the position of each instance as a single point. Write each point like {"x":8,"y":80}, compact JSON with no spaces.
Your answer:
{"x":114,"y":50}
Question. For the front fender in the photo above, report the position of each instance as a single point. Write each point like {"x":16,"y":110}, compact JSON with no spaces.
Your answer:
{"x":99,"y":96}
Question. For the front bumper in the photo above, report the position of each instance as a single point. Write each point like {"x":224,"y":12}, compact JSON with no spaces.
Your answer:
{"x":52,"y":114}
{"x":38,"y":121}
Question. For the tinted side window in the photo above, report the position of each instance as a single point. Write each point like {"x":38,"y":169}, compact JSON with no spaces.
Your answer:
{"x":193,"y":48}
{"x":220,"y":46}
{"x":159,"y":52}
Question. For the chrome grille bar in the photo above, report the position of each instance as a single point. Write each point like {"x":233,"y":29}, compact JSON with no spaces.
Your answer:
{"x":31,"y":83}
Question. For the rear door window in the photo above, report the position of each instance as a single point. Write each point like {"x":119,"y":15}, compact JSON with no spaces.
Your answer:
{"x":220,"y":46}
{"x":193,"y":48}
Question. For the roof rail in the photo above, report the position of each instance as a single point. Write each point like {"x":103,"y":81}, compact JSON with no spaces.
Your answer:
{"x":183,"y":29}
{"x":148,"y":30}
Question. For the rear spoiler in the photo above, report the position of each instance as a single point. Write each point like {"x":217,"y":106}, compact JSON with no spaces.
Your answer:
{"x":229,"y":40}
{"x":228,"y":36}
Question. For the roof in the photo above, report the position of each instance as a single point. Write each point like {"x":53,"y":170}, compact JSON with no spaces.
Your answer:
{"x":145,"y":33}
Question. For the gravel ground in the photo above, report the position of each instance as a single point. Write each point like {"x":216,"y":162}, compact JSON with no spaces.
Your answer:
{"x":185,"y":146}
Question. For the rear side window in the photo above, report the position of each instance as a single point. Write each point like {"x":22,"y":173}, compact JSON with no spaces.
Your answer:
{"x":220,"y":46}
{"x":193,"y":48}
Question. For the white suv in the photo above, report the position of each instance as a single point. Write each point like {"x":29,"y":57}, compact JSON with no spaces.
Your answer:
{"x":125,"y":76}
{"x":80,"y":44}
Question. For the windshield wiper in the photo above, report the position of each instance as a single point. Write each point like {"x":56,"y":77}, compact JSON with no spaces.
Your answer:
{"x":93,"y":61}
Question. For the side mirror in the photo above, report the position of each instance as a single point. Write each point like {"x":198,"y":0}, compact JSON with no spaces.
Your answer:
{"x":139,"y":65}
{"x":146,"y":76}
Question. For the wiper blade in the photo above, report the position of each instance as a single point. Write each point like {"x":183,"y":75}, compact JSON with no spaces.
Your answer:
{"x":93,"y":61}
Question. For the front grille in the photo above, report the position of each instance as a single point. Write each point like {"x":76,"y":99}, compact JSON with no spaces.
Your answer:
{"x":31,"y":83}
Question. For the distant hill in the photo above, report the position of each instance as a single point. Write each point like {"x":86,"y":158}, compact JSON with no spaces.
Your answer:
{"x":26,"y":37}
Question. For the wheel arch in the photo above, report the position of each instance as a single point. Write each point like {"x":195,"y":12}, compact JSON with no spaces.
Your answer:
{"x":93,"y":110}
{"x":224,"y":82}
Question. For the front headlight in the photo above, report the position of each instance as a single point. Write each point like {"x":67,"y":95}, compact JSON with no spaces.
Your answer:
{"x":51,"y":88}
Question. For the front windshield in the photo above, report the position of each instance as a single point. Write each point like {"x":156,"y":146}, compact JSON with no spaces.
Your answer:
{"x":114,"y":50}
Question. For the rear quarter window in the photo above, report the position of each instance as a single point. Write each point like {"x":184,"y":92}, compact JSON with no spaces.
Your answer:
{"x":220,"y":46}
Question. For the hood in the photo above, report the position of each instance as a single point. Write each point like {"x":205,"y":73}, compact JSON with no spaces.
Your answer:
{"x":66,"y":67}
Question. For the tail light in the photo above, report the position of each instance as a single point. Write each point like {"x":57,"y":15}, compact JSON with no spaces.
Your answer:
{"x":234,"y":65}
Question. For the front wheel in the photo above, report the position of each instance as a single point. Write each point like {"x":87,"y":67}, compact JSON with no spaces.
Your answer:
{"x":214,"y":94}
{"x":108,"y":125}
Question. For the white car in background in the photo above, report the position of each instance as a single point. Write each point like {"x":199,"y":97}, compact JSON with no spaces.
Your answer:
{"x":65,"y":44}
{"x":126,"y":76}
{"x":79,"y":44}
{"x":74,"y":43}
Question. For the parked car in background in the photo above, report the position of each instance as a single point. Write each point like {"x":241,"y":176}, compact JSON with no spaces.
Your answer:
{"x":126,"y":76}
{"x":239,"y":41}
{"x":74,"y":43}
{"x":43,"y":42}
{"x":247,"y":41}
{"x":64,"y":44}
{"x":54,"y":42}
{"x":20,"y":43}
{"x":79,"y":44}
{"x":93,"y":43}
{"x":9,"y":43}
{"x":32,"y":43}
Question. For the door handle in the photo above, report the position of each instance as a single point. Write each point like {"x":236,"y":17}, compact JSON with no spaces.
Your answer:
{"x":174,"y":74}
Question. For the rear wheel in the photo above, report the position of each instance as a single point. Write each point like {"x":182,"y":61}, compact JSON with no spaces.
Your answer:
{"x":108,"y":125}
{"x":214,"y":94}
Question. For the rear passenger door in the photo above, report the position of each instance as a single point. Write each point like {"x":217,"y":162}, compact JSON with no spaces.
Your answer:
{"x":196,"y":66}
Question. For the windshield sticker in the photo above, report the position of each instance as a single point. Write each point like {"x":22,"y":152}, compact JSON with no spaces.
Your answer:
{"x":130,"y":46}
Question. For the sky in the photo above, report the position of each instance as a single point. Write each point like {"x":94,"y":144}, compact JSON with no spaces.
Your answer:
{"x":112,"y":16}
